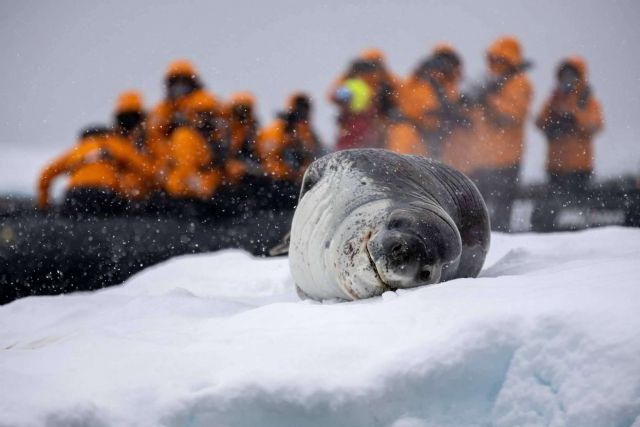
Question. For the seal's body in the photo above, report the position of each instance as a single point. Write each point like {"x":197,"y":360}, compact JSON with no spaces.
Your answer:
{"x":371,"y":220}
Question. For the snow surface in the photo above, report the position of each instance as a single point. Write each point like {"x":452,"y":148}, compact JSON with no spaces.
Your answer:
{"x":549,"y":335}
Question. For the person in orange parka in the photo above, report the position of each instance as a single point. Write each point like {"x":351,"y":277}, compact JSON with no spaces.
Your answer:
{"x":181,"y":81}
{"x":129,"y":123}
{"x":243,"y":132}
{"x":94,"y":166}
{"x":569,"y":119}
{"x":431,"y":100}
{"x":499,"y":110}
{"x":288,"y":146}
{"x":196,"y":156}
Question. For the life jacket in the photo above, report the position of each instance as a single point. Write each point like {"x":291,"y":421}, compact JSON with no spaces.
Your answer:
{"x":192,"y":172}
{"x":286,"y":152}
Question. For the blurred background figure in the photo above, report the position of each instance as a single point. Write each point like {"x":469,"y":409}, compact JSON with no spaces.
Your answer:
{"x":499,"y":108}
{"x":129,"y":122}
{"x":286,"y":147}
{"x":129,"y":117}
{"x":243,"y":125}
{"x":366,"y":95}
{"x":244,"y":180}
{"x":181,"y":81}
{"x":94,"y":166}
{"x":242,"y":161}
{"x":196,"y":155}
{"x":385,"y":83}
{"x":357,"y":119}
{"x":569,"y":119}
{"x":430,"y":99}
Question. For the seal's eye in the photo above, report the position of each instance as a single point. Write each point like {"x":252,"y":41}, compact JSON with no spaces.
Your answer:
{"x":399,"y":222}
{"x":425,"y":274}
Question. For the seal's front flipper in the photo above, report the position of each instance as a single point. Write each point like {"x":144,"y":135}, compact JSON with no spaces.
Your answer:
{"x":301,"y":294}
{"x":281,"y":248}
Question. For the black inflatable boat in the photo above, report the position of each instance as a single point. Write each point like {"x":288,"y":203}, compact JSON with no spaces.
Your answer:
{"x":45,"y":254}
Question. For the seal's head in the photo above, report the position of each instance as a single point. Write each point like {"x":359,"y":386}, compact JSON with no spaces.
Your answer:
{"x":413,"y":247}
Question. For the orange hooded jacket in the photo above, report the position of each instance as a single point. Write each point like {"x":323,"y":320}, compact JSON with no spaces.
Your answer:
{"x":275,"y":144}
{"x":242,"y":138}
{"x":162,"y":118}
{"x":134,"y":184}
{"x":191,"y":172}
{"x":571,"y":150}
{"x":499,"y":123}
{"x":420,"y":102}
{"x":96,"y":161}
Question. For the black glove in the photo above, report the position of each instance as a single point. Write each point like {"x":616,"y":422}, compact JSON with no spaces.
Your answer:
{"x":559,"y":125}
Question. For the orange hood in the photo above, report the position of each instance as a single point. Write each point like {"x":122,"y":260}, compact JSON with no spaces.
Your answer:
{"x":242,"y":98}
{"x":508,"y":48}
{"x":200,"y":101}
{"x":130,"y":100}
{"x":373,"y":54}
{"x":443,"y":48}
{"x":576,"y":62}
{"x":447,"y":50}
{"x":181,"y":67}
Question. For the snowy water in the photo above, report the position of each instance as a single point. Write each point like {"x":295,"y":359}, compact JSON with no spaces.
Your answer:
{"x":548,"y":335}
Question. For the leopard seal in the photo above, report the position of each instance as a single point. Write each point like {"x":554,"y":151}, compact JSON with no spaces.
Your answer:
{"x":370,"y":220}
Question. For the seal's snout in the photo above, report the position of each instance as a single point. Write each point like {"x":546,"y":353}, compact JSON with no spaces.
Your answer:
{"x":396,"y":256}
{"x":396,"y":249}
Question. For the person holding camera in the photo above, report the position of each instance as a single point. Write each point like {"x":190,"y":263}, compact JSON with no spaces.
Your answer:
{"x":499,"y":111}
{"x":569,"y":119}
{"x":286,"y":147}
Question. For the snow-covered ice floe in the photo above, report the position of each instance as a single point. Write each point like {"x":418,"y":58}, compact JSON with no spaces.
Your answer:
{"x":549,"y":335}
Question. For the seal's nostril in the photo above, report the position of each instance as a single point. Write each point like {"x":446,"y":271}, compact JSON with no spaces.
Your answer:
{"x":425,"y":275}
{"x":397,"y":251}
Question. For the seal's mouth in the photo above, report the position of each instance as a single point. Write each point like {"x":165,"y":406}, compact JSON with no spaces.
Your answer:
{"x":373,"y":266}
